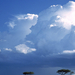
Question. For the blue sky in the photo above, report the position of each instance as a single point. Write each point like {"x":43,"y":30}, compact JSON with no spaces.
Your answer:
{"x":37,"y":36}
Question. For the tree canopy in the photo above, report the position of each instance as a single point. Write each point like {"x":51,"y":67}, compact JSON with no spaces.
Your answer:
{"x":63,"y":71}
{"x":28,"y":73}
{"x":71,"y":72}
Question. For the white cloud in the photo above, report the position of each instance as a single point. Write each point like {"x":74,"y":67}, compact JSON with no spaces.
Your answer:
{"x":48,"y":35}
{"x":28,"y":16}
{"x":62,"y":16}
{"x":53,"y":29}
{"x":8,"y":49}
{"x":18,"y":30}
{"x":52,"y":25}
{"x":21,"y":25}
{"x":66,"y":14}
{"x":69,"y":51}
{"x":54,"y":5}
{"x":24,"y":49}
{"x":30,"y":42}
{"x":0,"y":50}
{"x":11,"y":24}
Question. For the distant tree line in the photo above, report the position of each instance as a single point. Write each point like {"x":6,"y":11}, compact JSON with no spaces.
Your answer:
{"x":62,"y":72}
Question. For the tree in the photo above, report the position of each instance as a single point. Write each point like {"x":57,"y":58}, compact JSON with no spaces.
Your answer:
{"x":31,"y":73}
{"x":63,"y":71}
{"x":71,"y":72}
{"x":28,"y":73}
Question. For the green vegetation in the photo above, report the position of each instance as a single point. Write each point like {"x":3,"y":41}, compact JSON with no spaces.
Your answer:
{"x":28,"y":73}
{"x":64,"y":71}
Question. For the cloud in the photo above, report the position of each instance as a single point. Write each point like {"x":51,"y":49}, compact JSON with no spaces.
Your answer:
{"x":40,"y":39}
{"x":8,"y":49}
{"x":52,"y":25}
{"x":18,"y":29}
{"x":24,"y":49}
{"x":54,"y":32}
{"x":69,"y":51}
{"x":28,"y":16}
{"x":11,"y":24}
{"x":63,"y":16}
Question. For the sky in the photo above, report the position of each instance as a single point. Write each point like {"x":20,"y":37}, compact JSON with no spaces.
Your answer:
{"x":37,"y":36}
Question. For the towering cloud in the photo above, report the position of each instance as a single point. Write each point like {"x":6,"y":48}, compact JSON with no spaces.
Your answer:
{"x":48,"y":37}
{"x":54,"y":29}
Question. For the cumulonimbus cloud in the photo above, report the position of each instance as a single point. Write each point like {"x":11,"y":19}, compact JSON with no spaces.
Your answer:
{"x":45,"y":36}
{"x":54,"y":25}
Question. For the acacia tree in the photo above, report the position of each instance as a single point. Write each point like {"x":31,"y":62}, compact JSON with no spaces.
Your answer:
{"x":63,"y":71}
{"x":28,"y":73}
{"x":31,"y":72}
{"x":71,"y":72}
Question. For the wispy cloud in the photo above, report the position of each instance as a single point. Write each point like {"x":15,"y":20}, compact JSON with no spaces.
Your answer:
{"x":11,"y":24}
